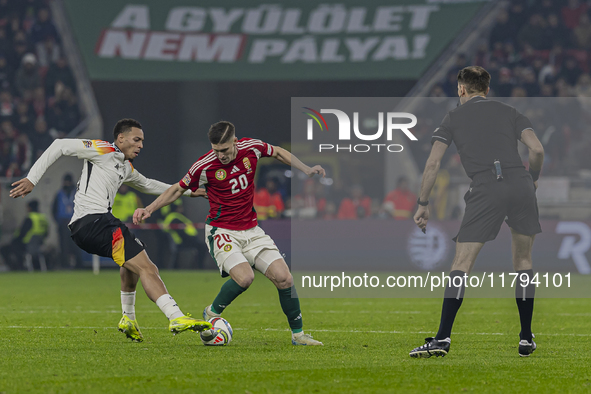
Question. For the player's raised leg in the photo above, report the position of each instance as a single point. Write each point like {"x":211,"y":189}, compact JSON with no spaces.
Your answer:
{"x":128,"y":324}
{"x":464,"y":259}
{"x":521,"y":246}
{"x":278,"y":272}
{"x":156,"y":291}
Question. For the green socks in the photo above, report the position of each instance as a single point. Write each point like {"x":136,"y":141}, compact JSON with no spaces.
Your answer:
{"x":291,"y":308}
{"x":228,"y":293}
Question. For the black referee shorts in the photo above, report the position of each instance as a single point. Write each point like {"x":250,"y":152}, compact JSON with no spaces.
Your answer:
{"x":104,"y":235}
{"x":489,"y":202}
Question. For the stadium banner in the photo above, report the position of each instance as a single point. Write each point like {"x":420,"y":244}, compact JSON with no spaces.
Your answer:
{"x":338,"y":232}
{"x":252,"y":40}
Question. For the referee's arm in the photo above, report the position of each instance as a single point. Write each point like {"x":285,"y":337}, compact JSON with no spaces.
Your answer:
{"x":536,"y":153}
{"x":429,"y":177}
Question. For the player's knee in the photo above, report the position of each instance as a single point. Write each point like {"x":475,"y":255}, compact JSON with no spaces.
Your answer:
{"x":284,"y":280}
{"x":245,"y":281}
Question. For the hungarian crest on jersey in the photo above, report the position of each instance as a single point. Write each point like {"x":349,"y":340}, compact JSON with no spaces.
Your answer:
{"x":247,"y":165}
{"x":220,"y":174}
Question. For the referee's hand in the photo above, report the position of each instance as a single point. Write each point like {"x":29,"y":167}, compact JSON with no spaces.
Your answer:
{"x":422,"y":217}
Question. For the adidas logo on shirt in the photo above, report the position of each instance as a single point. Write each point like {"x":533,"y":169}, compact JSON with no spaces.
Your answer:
{"x":235,"y":169}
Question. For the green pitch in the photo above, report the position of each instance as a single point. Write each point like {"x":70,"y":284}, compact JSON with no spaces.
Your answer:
{"x":58,"y":334}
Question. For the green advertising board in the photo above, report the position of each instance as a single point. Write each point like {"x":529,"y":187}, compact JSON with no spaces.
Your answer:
{"x":246,"y":40}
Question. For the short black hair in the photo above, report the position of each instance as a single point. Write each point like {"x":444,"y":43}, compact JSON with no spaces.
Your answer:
{"x":33,"y":205}
{"x":221,"y":132}
{"x":125,"y":125}
{"x":475,"y":78}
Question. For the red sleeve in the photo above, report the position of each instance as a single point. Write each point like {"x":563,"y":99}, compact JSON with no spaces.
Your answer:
{"x":196,"y":176}
{"x":265,"y":149}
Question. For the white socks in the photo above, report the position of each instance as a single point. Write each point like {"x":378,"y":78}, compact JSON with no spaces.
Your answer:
{"x":168,"y":306}
{"x":128,"y":303}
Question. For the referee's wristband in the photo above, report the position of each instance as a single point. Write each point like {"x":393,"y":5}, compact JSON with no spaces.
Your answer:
{"x":422,"y":203}
{"x":534,"y":174}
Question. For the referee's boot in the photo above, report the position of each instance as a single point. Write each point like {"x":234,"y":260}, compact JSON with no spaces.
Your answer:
{"x":526,"y":347}
{"x":432,"y":347}
{"x":131,"y":329}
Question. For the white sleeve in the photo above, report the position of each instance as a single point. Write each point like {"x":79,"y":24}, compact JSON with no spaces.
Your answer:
{"x":147,"y":185}
{"x":58,"y":148}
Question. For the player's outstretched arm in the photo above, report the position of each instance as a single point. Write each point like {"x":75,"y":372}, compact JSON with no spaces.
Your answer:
{"x":288,"y":158}
{"x":421,"y":217}
{"x":21,"y":188}
{"x":58,"y":148}
{"x":166,"y":198}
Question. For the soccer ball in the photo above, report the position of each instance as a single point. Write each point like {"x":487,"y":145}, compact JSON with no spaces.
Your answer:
{"x":219,"y":335}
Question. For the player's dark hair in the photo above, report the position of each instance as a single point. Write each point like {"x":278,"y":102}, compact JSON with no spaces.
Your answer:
{"x":125,"y":125}
{"x":221,"y":132}
{"x":475,"y":78}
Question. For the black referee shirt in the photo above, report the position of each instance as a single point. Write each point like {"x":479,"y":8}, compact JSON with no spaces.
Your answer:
{"x":483,"y":131}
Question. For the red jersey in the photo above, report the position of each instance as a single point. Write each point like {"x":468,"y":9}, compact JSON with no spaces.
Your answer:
{"x":230,"y":187}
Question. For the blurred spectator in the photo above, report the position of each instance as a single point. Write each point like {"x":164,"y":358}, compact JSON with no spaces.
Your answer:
{"x":583,"y":88}
{"x":308,"y":204}
{"x":20,"y":49}
{"x":43,"y":27}
{"x":571,"y":71}
{"x":532,"y":33}
{"x":63,"y":115}
{"x":503,"y":31}
{"x":546,"y":7}
{"x":62,"y":210}
{"x":40,"y":139}
{"x":400,"y":202}
{"x":529,"y":82}
{"x":582,"y":33}
{"x":25,"y":118}
{"x":28,"y":239}
{"x":27,"y":77}
{"x":268,"y":202}
{"x":555,"y":31}
{"x":59,"y":72}
{"x":357,"y":206}
{"x":7,"y":107}
{"x":330,"y":212}
{"x":183,"y":238}
{"x":6,"y":73}
{"x":48,"y":52}
{"x":39,"y":101}
{"x":504,"y":85}
{"x":125,"y":203}
{"x":572,"y":12}
{"x":518,"y":91}
{"x":15,"y":151}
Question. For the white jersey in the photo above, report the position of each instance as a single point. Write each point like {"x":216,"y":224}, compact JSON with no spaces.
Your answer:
{"x":105,"y":169}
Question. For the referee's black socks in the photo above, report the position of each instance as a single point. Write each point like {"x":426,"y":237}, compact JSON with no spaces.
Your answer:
{"x":524,"y":295}
{"x":453,"y":297}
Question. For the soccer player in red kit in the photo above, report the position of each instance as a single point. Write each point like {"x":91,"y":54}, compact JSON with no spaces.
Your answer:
{"x":234,"y":239}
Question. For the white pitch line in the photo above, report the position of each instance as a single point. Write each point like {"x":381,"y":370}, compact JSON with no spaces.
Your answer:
{"x":311,"y":330}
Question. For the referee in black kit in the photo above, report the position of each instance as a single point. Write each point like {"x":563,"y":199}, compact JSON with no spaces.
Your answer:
{"x":486,"y":134}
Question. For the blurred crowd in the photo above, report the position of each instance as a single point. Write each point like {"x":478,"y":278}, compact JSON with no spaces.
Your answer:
{"x":536,"y":49}
{"x":339,"y":200}
{"x":38,"y":100}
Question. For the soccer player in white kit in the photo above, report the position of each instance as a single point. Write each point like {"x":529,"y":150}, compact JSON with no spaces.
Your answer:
{"x":95,"y":230}
{"x":234,"y":239}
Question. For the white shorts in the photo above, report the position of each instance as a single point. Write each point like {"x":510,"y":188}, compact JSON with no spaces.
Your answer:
{"x":232,"y":247}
